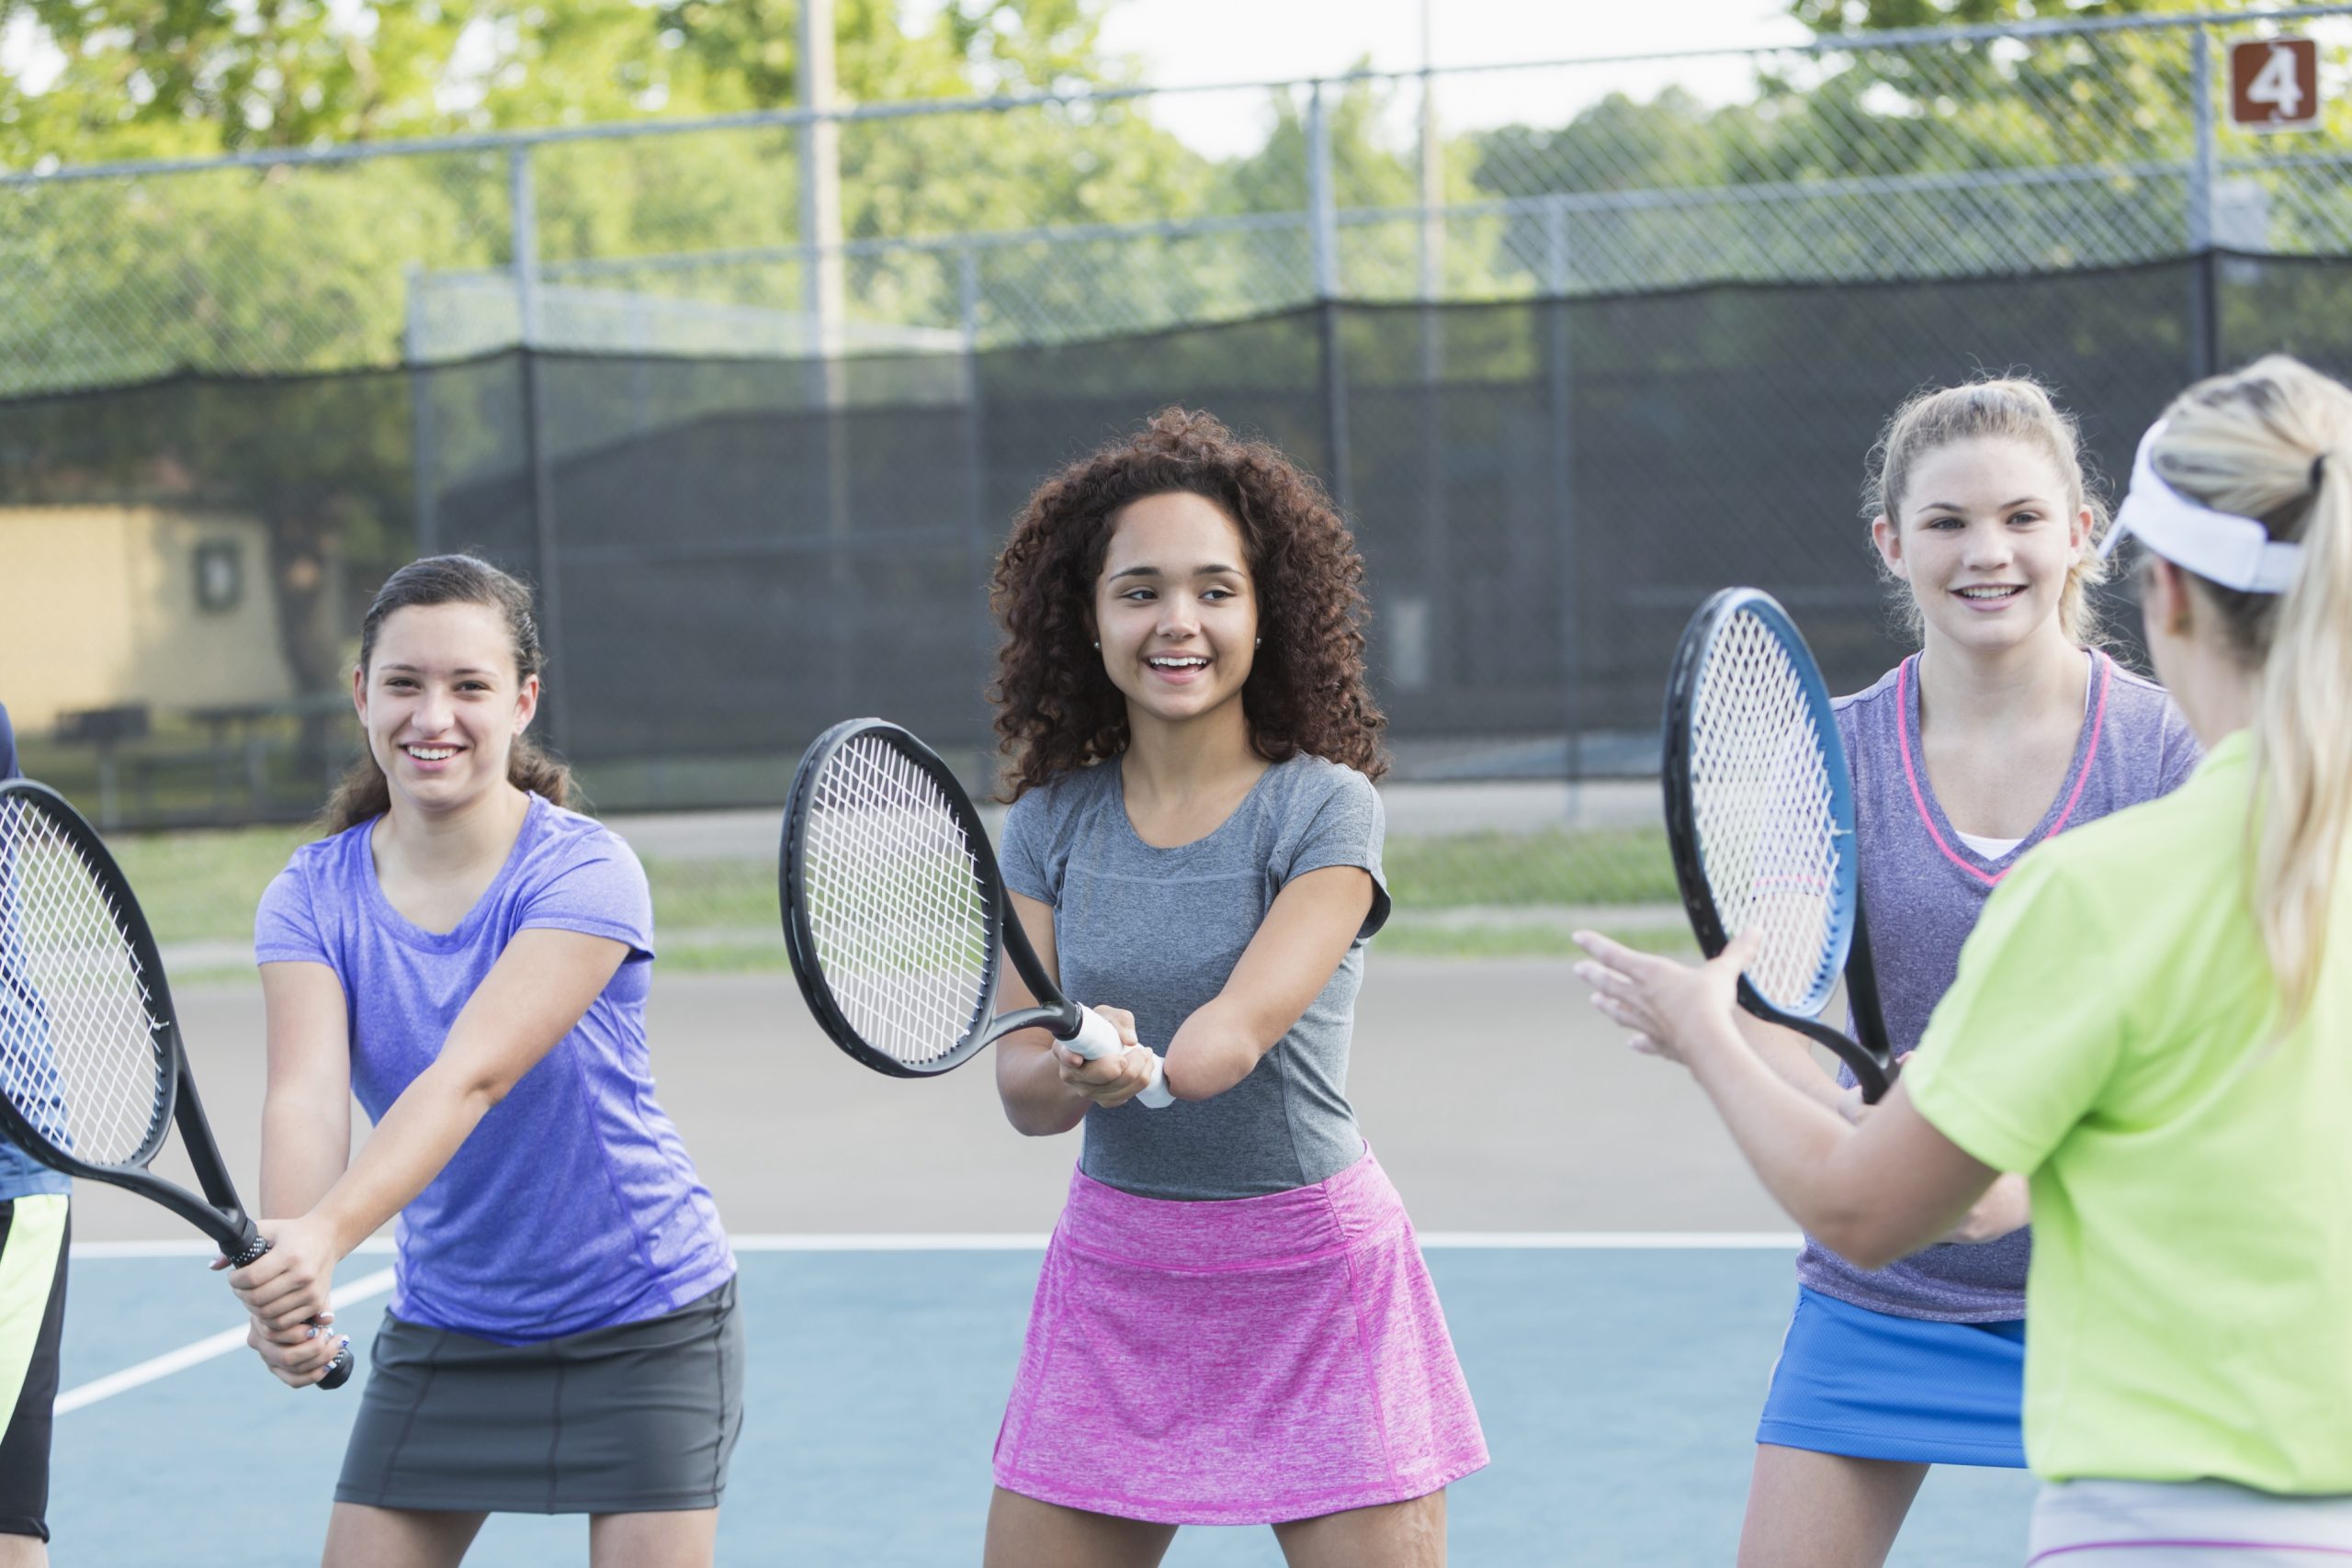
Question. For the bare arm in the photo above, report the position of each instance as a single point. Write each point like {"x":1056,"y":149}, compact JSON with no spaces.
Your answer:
{"x":1872,"y":1193}
{"x":531,"y":998}
{"x":1790,"y":1055}
{"x":2006,"y":1206}
{"x":1298,"y":946}
{"x":305,"y":1134}
{"x":306,"y":1107}
{"x":1039,"y":1100}
{"x":1047,"y":1088}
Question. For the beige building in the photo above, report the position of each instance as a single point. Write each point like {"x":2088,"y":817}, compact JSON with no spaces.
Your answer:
{"x":106,"y":606}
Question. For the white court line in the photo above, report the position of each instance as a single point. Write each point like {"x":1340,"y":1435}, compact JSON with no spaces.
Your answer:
{"x":1033,"y":1241}
{"x":1515,"y":1241}
{"x":203,"y":1350}
{"x":230,"y":1339}
{"x":185,"y":1249}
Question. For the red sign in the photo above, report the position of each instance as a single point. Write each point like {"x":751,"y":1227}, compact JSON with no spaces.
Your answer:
{"x":2274,"y":83}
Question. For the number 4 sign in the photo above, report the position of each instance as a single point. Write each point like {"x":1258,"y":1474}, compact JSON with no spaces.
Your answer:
{"x":2274,"y":83}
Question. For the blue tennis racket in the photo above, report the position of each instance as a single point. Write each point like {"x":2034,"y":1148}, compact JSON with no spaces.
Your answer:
{"x":1760,"y":816}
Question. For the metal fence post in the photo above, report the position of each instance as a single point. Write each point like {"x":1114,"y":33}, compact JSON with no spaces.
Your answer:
{"x":978,"y":555}
{"x":422,"y":444}
{"x":1323,"y":233}
{"x":2204,"y":321}
{"x":1555,"y":247}
{"x":1562,"y":392}
{"x":1323,"y":211}
{"x":522,"y":209}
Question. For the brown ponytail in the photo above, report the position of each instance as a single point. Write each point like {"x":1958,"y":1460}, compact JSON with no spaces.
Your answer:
{"x":450,"y":580}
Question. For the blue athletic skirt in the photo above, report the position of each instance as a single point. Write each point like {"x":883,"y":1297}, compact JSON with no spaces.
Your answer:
{"x":1873,"y":1385}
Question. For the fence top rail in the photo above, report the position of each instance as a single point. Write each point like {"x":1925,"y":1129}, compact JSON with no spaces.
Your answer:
{"x":788,"y":119}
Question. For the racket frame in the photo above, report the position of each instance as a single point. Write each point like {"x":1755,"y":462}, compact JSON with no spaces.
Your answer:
{"x":1054,"y":1011}
{"x":1869,"y":1057}
{"x":220,"y":1214}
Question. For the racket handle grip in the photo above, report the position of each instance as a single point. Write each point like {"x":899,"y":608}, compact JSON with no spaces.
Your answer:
{"x":338,"y":1371}
{"x":1097,"y":1038}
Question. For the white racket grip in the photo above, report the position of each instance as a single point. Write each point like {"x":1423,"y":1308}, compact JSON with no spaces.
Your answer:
{"x":1097,"y":1038}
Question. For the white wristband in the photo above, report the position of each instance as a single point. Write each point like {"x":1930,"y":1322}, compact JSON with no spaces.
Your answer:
{"x":1156,"y":1093}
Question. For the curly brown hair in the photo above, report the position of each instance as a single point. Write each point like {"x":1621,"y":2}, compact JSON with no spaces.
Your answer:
{"x":1057,"y":709}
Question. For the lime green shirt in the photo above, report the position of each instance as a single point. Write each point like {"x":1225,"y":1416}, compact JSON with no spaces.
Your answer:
{"x":2111,"y":1034}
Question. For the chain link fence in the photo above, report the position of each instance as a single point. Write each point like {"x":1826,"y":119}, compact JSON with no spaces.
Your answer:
{"x":1622,"y":336}
{"x":1963,"y":152}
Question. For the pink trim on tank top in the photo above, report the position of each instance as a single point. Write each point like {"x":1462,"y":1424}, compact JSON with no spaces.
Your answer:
{"x":2191,"y":1543}
{"x":1919,"y":797}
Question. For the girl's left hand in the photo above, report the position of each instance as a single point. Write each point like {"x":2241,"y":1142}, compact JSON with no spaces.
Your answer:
{"x":288,"y":1286}
{"x":1114,"y":1080}
{"x":1668,"y":1005}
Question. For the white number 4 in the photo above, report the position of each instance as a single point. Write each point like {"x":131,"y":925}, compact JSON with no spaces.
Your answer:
{"x":2276,"y":85}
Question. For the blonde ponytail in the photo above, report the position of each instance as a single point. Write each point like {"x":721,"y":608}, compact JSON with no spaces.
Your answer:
{"x":2303,"y":745}
{"x":2274,"y":442}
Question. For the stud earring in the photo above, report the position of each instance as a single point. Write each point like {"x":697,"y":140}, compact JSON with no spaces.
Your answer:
{"x":1098,"y":642}
{"x":1260,"y":643}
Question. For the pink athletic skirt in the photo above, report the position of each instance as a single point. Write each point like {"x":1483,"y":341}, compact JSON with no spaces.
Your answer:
{"x":1243,"y":1362}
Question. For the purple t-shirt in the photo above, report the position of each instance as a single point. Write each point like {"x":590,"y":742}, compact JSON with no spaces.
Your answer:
{"x":1922,"y":889}
{"x":573,"y":1205}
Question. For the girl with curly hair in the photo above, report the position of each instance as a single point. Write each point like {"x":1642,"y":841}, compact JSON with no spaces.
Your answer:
{"x":1232,"y":1325}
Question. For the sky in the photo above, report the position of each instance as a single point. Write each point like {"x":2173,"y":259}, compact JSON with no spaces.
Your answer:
{"x":1186,"y":42}
{"x":1190,"y":42}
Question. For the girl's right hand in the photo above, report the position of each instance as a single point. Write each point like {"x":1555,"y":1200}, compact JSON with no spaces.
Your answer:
{"x":1111,"y":1081}
{"x":296,"y":1356}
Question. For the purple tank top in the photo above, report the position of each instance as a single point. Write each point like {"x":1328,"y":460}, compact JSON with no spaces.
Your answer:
{"x":1922,"y":889}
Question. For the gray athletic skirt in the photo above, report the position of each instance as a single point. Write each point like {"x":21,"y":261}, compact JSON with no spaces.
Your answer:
{"x":636,"y":1418}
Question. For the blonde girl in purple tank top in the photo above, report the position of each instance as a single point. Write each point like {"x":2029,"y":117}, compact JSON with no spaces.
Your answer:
{"x":1232,"y":1325}
{"x":2006,"y":728}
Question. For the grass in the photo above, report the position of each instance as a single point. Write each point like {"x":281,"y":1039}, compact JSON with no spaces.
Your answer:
{"x":1626,"y":865}
{"x":720,"y":916}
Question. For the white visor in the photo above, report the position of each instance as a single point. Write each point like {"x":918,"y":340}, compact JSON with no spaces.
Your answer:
{"x":2236,"y":552}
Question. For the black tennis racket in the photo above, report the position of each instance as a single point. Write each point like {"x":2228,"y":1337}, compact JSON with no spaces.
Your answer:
{"x":1759,"y":816}
{"x":895,"y":912}
{"x":93,"y":1072}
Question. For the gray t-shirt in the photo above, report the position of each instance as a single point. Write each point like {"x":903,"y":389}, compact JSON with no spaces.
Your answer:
{"x":1923,"y":887}
{"x":1158,"y":930}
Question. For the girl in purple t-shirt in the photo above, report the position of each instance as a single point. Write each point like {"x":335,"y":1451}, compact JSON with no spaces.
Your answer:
{"x":2007,"y":727}
{"x":471,"y":960}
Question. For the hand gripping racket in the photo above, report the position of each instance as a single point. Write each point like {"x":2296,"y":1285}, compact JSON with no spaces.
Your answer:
{"x":1759,"y":816}
{"x":895,"y":912}
{"x":93,"y":1072}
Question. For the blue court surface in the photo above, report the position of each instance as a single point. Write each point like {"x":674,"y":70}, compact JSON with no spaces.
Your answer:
{"x":1618,"y":1385}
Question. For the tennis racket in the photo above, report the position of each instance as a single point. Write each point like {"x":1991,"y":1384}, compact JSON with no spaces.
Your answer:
{"x":93,"y":1072}
{"x":896,"y":915}
{"x":1760,"y":816}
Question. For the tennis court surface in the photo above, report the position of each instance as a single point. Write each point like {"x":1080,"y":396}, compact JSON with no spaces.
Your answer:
{"x":1615,"y":1283}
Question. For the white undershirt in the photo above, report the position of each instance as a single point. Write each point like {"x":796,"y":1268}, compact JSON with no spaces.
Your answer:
{"x":1994,"y":849}
{"x":1991,"y":849}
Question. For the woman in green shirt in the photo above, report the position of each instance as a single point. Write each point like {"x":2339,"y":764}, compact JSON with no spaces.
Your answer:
{"x":2153,"y":1020}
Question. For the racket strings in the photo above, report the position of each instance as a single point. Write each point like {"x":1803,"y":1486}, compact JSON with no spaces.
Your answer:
{"x":1765,"y":812}
{"x":895,"y":903}
{"x":83,"y":1054}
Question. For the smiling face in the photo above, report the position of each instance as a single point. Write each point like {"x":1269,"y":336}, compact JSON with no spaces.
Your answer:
{"x":1176,"y":609}
{"x":1988,"y":532}
{"x":441,"y":704}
